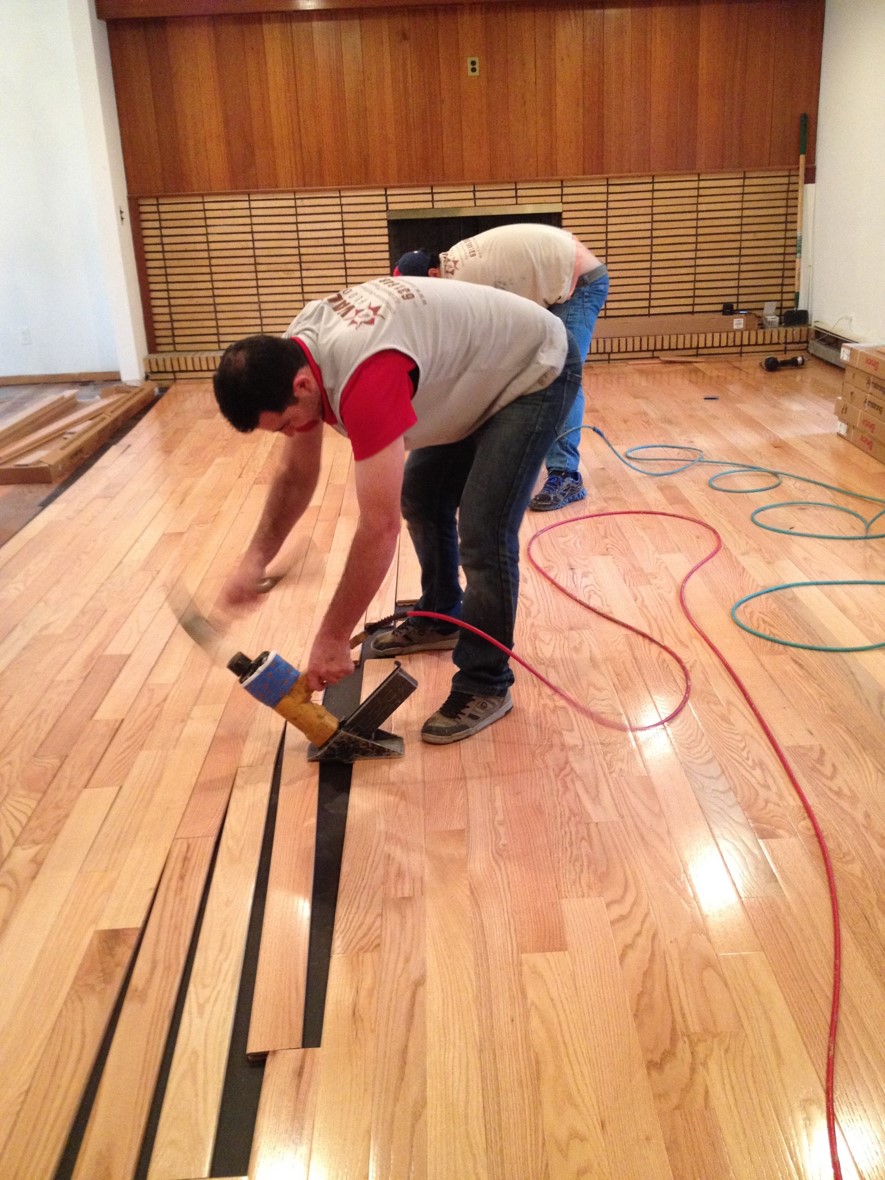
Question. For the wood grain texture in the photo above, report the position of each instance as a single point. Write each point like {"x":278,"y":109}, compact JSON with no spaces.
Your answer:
{"x":561,"y":949}
{"x":257,"y":99}
{"x":220,"y":267}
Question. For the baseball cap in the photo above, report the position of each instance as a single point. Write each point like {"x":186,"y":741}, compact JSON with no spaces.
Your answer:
{"x":416,"y":262}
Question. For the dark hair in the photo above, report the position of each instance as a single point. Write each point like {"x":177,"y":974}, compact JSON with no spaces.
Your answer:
{"x":415,"y":263}
{"x":254,"y":376}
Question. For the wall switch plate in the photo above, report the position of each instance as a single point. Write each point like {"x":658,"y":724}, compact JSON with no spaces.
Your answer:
{"x":473,"y":67}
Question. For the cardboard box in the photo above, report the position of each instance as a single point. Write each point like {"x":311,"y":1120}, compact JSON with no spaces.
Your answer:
{"x":857,"y":416}
{"x":868,"y":357}
{"x":869,"y":402}
{"x":863,"y":441}
{"x":666,"y":325}
{"x":865,"y":382}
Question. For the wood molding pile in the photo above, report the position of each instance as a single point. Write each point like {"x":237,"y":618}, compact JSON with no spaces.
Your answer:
{"x":47,"y":443}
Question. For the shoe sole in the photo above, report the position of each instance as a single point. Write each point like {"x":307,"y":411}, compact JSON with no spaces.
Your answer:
{"x":446,"y":643}
{"x":553,"y":507}
{"x":450,"y":739}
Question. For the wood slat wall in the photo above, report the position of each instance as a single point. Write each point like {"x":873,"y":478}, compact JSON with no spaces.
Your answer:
{"x":219,"y":267}
{"x":381,"y":96}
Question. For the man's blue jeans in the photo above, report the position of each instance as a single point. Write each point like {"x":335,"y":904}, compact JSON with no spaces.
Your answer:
{"x":579,"y":314}
{"x":480,"y":487}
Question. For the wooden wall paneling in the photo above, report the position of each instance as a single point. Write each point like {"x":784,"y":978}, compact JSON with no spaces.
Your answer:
{"x":360,"y":120}
{"x":407,"y":127}
{"x":362,"y":97}
{"x":674,"y":232}
{"x":423,"y":151}
{"x":629,"y":210}
{"x":232,"y":259}
{"x":277,"y":258}
{"x":323,"y":112}
{"x":365,"y":235}
{"x":516,"y":74}
{"x":244,"y":100}
{"x":454,"y":90}
{"x":673,"y":79}
{"x":737,"y":65}
{"x":749,"y":116}
{"x":584,"y":214}
{"x":795,"y":88}
{"x":165,"y":107}
{"x":197,"y":94}
{"x":502,"y":161}
{"x":590,"y":92}
{"x":381,"y":84}
{"x":768,"y":221}
{"x":548,"y":80}
{"x":563,"y":71}
{"x":618,"y":94}
{"x":138,"y":68}
{"x":285,"y":143}
{"x":321,"y":242}
{"x":474,"y":135}
{"x":719,"y":241}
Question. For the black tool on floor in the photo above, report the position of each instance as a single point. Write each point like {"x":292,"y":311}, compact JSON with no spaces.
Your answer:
{"x":771,"y":364}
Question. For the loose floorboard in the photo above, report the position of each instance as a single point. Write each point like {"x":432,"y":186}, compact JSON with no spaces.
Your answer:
{"x":588,"y":942}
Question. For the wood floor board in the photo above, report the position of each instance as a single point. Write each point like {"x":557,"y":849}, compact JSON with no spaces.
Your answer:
{"x":117,"y":1120}
{"x":284,"y":1126}
{"x":44,"y":1120}
{"x":277,"y":1016}
{"x":189,"y":1116}
{"x":561,"y":948}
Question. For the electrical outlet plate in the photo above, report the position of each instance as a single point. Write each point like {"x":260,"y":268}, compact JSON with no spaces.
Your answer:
{"x":473,"y":67}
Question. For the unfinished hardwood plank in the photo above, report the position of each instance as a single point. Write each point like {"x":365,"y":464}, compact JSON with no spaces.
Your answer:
{"x":456,"y":1134}
{"x":189,"y":1116}
{"x":277,"y":1015}
{"x":115,"y":1129}
{"x":284,"y":1126}
{"x":27,"y":1024}
{"x":44,"y":1120}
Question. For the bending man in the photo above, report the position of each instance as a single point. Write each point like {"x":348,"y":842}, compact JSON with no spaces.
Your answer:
{"x":550,"y":267}
{"x":475,"y":384}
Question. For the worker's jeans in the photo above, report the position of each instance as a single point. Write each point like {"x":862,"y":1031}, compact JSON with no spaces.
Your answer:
{"x":579,"y":314}
{"x":481,"y":487}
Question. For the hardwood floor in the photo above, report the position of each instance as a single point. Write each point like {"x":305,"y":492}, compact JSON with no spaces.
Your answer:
{"x":584,"y":943}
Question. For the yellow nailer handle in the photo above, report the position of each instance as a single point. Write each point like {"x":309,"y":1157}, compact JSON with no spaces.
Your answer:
{"x":316,"y":723}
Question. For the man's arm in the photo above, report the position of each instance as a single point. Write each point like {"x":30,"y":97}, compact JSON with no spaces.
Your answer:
{"x":379,"y":481}
{"x":287,"y":498}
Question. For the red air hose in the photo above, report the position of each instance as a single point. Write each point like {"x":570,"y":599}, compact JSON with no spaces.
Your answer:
{"x":766,"y":729}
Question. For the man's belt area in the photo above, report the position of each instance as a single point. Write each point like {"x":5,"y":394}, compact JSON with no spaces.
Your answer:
{"x":591,"y":276}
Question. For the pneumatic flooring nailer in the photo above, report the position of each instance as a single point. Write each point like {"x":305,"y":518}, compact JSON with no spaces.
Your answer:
{"x":273,"y":681}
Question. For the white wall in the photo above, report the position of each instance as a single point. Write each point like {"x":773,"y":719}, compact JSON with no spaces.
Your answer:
{"x":847,"y":255}
{"x":68,"y":299}
{"x":67,"y":270}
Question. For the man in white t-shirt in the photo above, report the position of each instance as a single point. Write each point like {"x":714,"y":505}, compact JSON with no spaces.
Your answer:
{"x":475,"y":384}
{"x":552,"y":268}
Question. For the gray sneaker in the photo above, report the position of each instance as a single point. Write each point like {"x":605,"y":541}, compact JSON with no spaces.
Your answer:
{"x":561,"y":488}
{"x":463,"y":715}
{"x":409,"y":636}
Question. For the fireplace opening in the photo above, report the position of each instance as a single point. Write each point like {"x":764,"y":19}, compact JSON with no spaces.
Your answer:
{"x":437,"y":229}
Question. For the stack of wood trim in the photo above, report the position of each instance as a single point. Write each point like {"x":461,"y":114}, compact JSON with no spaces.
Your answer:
{"x":48,"y":442}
